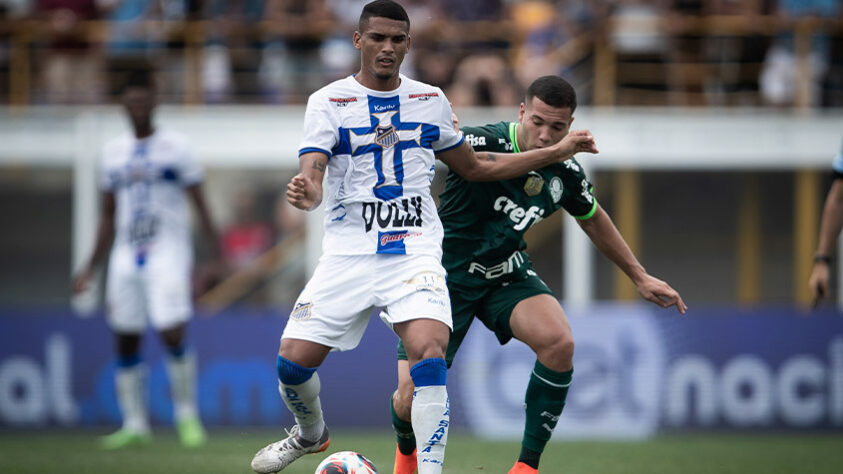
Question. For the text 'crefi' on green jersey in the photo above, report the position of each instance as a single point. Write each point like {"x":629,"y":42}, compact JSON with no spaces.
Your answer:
{"x":485,"y":222}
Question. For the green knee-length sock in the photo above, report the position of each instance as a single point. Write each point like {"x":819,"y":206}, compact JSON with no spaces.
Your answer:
{"x":545,"y":399}
{"x":403,"y":432}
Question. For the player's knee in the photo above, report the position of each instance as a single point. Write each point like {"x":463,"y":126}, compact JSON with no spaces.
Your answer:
{"x":402,"y":401}
{"x":563,"y":350}
{"x":290,"y":373}
{"x":559,"y":354}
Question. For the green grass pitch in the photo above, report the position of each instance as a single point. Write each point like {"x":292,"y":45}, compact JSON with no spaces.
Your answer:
{"x":229,"y":451}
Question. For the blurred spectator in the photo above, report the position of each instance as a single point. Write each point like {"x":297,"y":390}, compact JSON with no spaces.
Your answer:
{"x":134,"y":39}
{"x":72,"y":70}
{"x":778,"y":78}
{"x":337,"y":54}
{"x":231,"y":57}
{"x":10,"y":11}
{"x":291,"y":68}
{"x":248,"y":236}
{"x":556,"y":39}
{"x":686,"y":66}
{"x":641,"y":46}
{"x":737,"y":57}
{"x":484,"y":80}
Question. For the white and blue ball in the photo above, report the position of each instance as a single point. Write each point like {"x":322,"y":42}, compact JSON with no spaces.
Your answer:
{"x":346,"y":462}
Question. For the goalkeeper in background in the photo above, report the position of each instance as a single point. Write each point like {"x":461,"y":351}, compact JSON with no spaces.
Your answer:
{"x":490,"y":276}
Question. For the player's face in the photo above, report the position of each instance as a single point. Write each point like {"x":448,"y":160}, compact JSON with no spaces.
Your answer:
{"x":139,"y":103}
{"x":542,"y":125}
{"x":383,"y":43}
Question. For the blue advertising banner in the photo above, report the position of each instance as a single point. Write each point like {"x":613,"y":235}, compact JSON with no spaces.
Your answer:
{"x":638,"y":371}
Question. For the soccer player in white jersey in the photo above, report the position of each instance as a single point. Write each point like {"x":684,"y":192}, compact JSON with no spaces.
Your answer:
{"x":148,"y":177}
{"x":374,"y":137}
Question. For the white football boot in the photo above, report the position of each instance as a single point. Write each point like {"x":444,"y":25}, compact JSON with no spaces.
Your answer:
{"x":281,"y":454}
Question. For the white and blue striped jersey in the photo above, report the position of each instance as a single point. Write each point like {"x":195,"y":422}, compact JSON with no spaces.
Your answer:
{"x":381,"y":148}
{"x":148,"y":178}
{"x":837,"y":166}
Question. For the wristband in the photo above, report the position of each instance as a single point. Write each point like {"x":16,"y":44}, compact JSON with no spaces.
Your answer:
{"x":826,"y":259}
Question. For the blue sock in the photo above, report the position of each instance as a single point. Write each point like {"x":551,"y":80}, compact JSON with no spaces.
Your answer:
{"x":128,"y":361}
{"x":433,"y":371}
{"x":290,"y":373}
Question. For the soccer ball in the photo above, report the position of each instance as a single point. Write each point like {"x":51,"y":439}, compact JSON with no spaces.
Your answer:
{"x":346,"y":462}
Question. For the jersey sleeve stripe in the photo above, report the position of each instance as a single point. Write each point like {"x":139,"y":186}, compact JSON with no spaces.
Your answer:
{"x":590,"y":213}
{"x":462,"y":140}
{"x":314,"y":150}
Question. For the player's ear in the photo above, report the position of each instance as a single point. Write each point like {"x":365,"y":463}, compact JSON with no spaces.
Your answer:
{"x":522,"y":109}
{"x":355,"y":39}
{"x":409,"y":38}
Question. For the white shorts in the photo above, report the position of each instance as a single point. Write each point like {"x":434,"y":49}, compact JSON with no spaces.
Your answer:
{"x":333,"y":307}
{"x":158,"y":291}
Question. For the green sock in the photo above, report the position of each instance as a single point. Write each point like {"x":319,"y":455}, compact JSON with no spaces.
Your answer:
{"x":403,"y":432}
{"x":545,"y":399}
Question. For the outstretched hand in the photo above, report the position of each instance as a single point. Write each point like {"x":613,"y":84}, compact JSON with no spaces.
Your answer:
{"x":656,"y":291}
{"x":577,"y":141}
{"x":302,"y":193}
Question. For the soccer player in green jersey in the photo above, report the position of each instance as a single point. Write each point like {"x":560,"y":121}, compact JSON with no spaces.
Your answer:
{"x":490,"y":276}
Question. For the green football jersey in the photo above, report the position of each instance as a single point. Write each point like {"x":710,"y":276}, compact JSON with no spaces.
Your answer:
{"x":485,"y":222}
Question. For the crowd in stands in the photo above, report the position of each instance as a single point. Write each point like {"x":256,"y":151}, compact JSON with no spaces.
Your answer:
{"x":481,"y":52}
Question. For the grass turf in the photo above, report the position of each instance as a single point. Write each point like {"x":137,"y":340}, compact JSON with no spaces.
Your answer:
{"x":229,"y":451}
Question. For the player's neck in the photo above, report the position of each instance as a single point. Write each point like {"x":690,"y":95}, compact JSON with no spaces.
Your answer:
{"x":144,"y":131}
{"x":377,"y":84}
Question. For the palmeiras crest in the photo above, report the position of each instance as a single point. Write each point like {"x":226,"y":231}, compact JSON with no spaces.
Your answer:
{"x":385,"y":136}
{"x":534,"y":184}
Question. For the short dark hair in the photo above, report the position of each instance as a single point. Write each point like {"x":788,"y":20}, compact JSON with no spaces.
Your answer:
{"x":553,"y":91}
{"x":383,"y":9}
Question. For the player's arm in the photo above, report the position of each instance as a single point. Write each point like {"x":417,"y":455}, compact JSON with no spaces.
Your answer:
{"x":487,"y":166}
{"x":304,"y":191}
{"x":605,"y":236}
{"x":105,"y":236}
{"x":830,"y":226}
{"x":209,"y":232}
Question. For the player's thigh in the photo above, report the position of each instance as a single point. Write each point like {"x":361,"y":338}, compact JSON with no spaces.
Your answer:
{"x":168,"y":296}
{"x":499,"y":307}
{"x":124,"y":297}
{"x":333,"y":308}
{"x":463,"y":307}
{"x":540,"y":322}
{"x":424,"y":338}
{"x":417,"y":307}
{"x":411,"y":287}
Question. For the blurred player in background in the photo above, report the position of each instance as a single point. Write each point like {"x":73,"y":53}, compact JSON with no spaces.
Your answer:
{"x":490,"y":276}
{"x":374,"y":136}
{"x":832,"y":221}
{"x":148,"y":177}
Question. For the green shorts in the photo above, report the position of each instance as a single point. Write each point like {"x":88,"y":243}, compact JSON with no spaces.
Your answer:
{"x":492,"y":305}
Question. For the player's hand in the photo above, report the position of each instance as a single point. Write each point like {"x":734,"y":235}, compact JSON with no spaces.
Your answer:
{"x":576,"y":141}
{"x":818,"y":283}
{"x":454,"y":118}
{"x":81,"y":281}
{"x":654,"y":290}
{"x":302,"y":193}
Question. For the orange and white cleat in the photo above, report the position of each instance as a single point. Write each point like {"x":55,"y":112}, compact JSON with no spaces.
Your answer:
{"x":521,"y":468}
{"x":405,"y":463}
